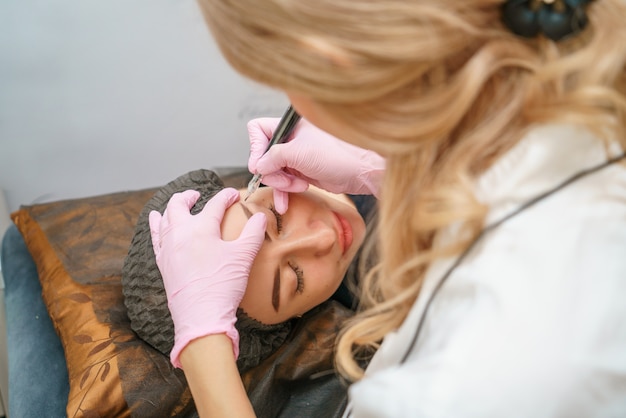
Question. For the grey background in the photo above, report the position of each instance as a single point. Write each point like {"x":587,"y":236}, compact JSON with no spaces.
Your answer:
{"x":104,"y":96}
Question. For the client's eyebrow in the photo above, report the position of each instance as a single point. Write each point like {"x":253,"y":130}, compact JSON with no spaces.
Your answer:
{"x":276,"y":290}
{"x":249,"y":215}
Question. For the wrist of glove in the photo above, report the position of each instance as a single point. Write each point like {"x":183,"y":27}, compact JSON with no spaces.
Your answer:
{"x":204,"y":277}
{"x":188,"y":307}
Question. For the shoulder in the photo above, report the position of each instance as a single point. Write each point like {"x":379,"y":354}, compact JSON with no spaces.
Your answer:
{"x":531,"y":321}
{"x":562,"y":208}
{"x":530,"y":325}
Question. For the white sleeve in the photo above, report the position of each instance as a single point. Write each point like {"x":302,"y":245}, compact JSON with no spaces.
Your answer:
{"x":532,"y":325}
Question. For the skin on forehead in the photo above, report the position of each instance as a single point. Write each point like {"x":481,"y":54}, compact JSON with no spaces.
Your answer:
{"x":312,"y":245}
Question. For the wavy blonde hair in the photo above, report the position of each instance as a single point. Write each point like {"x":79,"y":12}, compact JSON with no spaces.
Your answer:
{"x":442,"y":90}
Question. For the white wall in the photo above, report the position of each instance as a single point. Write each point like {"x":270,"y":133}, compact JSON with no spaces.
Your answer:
{"x":101,"y":96}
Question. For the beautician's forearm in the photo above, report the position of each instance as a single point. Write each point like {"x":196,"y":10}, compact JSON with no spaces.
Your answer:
{"x":213,"y":378}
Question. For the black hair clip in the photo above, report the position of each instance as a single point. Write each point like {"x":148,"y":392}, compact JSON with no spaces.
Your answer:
{"x":556,"y":19}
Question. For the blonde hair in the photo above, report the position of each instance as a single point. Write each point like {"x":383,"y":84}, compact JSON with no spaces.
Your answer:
{"x":442,"y":90}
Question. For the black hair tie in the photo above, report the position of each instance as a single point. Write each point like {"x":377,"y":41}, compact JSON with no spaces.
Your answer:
{"x":555,"y":19}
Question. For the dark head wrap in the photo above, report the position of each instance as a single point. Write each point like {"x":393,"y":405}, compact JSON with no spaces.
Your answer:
{"x":144,"y":294}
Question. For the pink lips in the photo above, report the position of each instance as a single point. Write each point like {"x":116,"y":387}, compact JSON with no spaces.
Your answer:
{"x":345,"y":233}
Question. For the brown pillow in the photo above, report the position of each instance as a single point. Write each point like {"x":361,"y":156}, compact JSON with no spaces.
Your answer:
{"x":79,"y":248}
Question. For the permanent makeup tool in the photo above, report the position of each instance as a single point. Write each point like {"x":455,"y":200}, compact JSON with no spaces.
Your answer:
{"x":281,"y":134}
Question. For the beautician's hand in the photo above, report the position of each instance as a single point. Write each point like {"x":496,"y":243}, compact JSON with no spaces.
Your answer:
{"x":311,"y":157}
{"x":204,"y":277}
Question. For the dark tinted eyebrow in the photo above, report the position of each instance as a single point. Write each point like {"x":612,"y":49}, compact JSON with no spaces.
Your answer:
{"x":276,"y":290}
{"x":249,"y":215}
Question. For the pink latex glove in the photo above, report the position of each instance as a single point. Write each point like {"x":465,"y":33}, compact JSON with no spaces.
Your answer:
{"x":204,"y":277}
{"x":311,"y":157}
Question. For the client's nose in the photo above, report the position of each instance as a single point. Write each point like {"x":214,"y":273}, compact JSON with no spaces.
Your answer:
{"x":316,"y":238}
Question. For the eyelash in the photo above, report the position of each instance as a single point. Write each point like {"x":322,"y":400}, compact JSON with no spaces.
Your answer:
{"x":279,"y":219}
{"x":299,"y":277}
{"x":296,"y":269}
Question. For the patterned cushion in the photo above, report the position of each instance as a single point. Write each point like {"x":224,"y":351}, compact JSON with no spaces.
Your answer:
{"x":79,"y":248}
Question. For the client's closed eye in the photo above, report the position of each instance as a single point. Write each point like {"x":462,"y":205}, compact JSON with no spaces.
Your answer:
{"x":279,"y":219}
{"x":299,"y":277}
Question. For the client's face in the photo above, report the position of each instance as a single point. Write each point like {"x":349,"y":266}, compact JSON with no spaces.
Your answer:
{"x":305,"y":254}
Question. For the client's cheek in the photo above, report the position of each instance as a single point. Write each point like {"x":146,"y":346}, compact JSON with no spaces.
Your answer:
{"x":259,"y":310}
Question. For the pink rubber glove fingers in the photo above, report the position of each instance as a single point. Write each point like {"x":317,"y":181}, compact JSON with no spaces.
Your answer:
{"x":260,"y":131}
{"x":204,"y":277}
{"x":313,"y":157}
